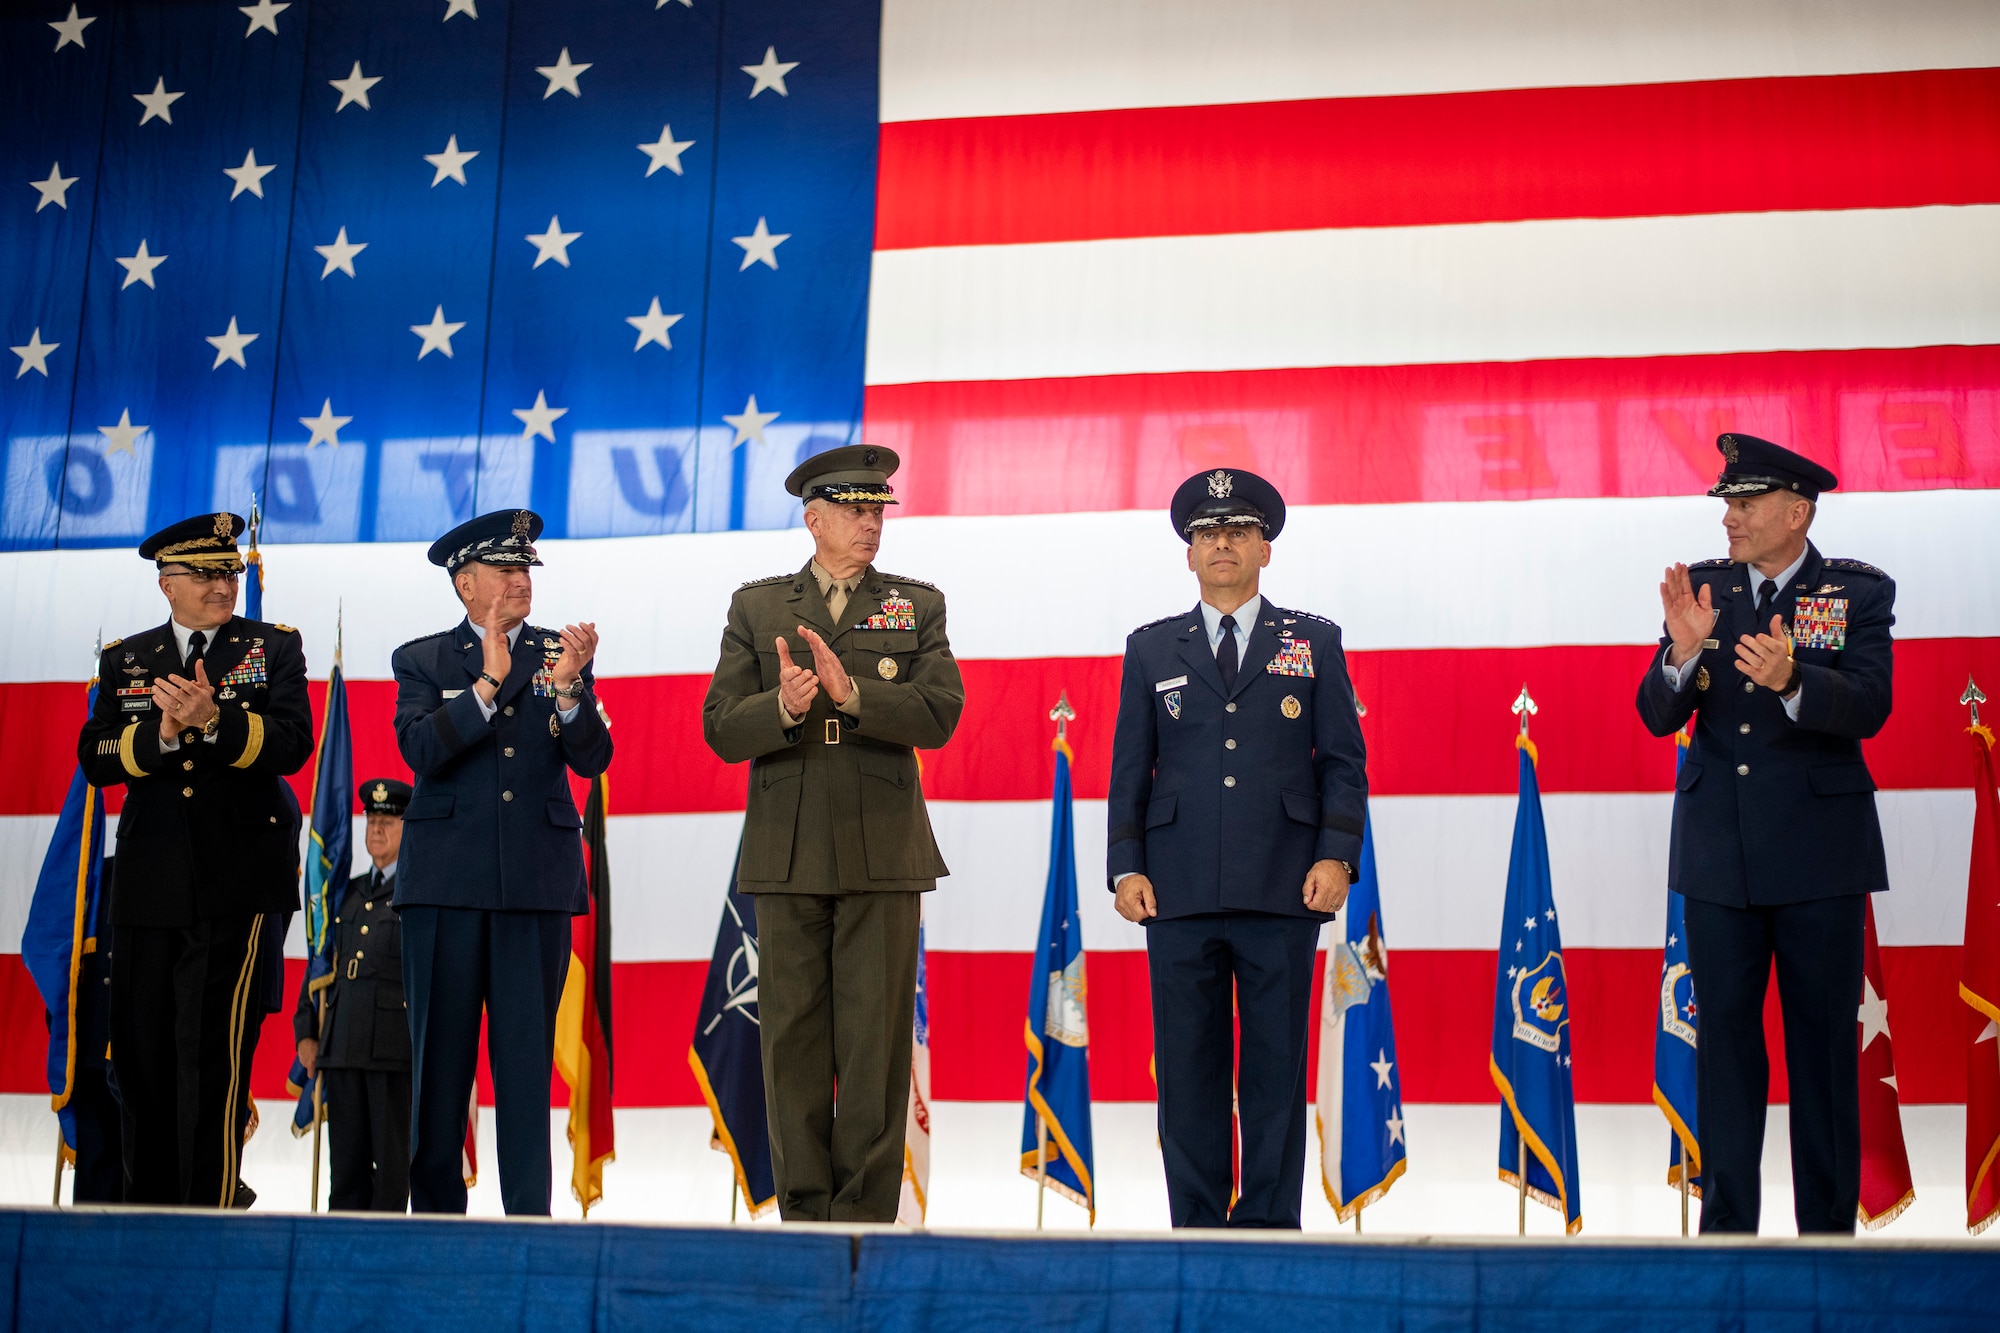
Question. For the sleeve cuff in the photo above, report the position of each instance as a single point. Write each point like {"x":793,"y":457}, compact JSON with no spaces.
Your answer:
{"x":852,"y":704}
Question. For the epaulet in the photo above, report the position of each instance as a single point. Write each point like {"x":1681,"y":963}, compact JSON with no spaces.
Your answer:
{"x":1844,"y":566}
{"x":112,"y":644}
{"x":1299,"y":615}
{"x":423,"y":638}
{"x":283,"y":629}
{"x":919,"y":583}
{"x":1710,"y":564}
{"x":765,"y":583}
{"x":1152,"y":624}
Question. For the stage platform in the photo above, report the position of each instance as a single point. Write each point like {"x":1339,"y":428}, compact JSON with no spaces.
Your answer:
{"x":120,"y":1268}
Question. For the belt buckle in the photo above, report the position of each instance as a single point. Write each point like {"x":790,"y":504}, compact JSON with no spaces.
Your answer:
{"x":832,"y":731}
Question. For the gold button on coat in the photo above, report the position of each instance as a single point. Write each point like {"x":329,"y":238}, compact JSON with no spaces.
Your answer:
{"x":188,"y":764}
{"x":1229,"y":744}
{"x":187,"y":791}
{"x":1229,"y":708}
{"x":506,"y":795}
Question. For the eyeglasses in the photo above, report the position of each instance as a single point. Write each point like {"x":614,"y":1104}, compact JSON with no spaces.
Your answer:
{"x":206,"y":575}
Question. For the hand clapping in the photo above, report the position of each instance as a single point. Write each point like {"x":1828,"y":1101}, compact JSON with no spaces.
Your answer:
{"x":796,"y":685}
{"x":184,"y":703}
{"x":1690,"y":617}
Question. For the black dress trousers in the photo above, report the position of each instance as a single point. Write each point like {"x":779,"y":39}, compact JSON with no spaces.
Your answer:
{"x":1817,"y":946}
{"x":368,"y":1125}
{"x":1198,"y":965}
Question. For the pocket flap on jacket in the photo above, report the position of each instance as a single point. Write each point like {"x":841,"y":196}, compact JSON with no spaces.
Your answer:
{"x":1840,"y":779}
{"x":562,"y":813}
{"x":777,"y":770}
{"x":1299,"y":806}
{"x":1686,"y":778}
{"x":875,"y":764}
{"x":431,"y":805}
{"x":1161,"y":811}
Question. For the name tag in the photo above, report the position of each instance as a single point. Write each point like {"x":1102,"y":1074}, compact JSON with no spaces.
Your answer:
{"x":135,"y":698}
{"x":1162,"y":686}
{"x":452,"y":694}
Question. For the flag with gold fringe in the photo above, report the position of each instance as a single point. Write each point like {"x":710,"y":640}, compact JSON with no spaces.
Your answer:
{"x":726,"y":1054}
{"x":1979,"y":987}
{"x":1675,"y":1033}
{"x":1055,"y":1124}
{"x":1886,"y":1188}
{"x":583,"y":1018}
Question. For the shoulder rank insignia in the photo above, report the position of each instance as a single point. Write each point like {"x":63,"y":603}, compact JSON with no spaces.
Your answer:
{"x":1854,"y":567}
{"x":423,"y":638}
{"x":283,"y":629}
{"x":1820,"y":622}
{"x":1152,"y":624}
{"x":1293,"y":658}
{"x":1710,"y":564}
{"x":113,"y":644}
{"x":761,"y":583}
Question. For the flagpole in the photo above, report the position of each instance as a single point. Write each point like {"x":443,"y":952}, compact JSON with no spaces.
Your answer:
{"x":1681,"y":1144}
{"x":319,"y":998}
{"x":319,"y":1116}
{"x":732,"y":1201}
{"x":1041,"y":1166}
{"x":1524,"y":708}
{"x":55,"y":1200}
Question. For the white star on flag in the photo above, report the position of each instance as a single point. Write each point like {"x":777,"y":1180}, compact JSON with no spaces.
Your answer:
{"x":354,"y":88}
{"x":263,"y":14}
{"x":249,"y":176}
{"x":1890,"y":1079}
{"x":55,"y":190}
{"x":122,"y":435}
{"x":1395,"y":1126}
{"x":1873,"y":1014}
{"x":157,"y":102}
{"x":325,"y":427}
{"x":34,"y":354}
{"x":1382,"y":1064}
{"x":469,"y":8}
{"x":450,"y":163}
{"x":666,"y":152}
{"x":552,"y":244}
{"x":71,"y":30}
{"x":436,"y":334}
{"x":562,"y":76}
{"x":1550,"y":914}
{"x":229,"y":346}
{"x":749,"y":423}
{"x":539,"y":419}
{"x":761,"y":246}
{"x":139,"y":267}
{"x":1990,"y":1032}
{"x":1672,"y":940}
{"x":769,"y":72}
{"x":1529,"y":923}
{"x":339,"y":255}
{"x":653,"y":326}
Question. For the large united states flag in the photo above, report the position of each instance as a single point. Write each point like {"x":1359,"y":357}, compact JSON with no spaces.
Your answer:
{"x":1475,"y":284}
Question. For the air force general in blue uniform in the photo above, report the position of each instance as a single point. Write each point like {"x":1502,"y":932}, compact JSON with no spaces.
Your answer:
{"x":491,"y":869}
{"x":1238,"y":791}
{"x":1775,"y":841}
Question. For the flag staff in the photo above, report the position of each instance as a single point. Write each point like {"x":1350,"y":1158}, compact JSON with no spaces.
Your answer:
{"x":1062,"y":715}
{"x":1524,"y":707}
{"x":1681,"y":1145}
{"x":55,"y":1199}
{"x":319,"y":1000}
{"x":1972,"y":698}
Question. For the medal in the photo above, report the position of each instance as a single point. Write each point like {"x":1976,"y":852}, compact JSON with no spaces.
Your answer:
{"x":1701,"y":679}
{"x":555,"y":729}
{"x":886,"y":668}
{"x":1290,"y":706}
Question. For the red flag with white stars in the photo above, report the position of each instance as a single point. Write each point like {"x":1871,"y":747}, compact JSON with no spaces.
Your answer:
{"x":1979,"y":987}
{"x":1885,"y":1164}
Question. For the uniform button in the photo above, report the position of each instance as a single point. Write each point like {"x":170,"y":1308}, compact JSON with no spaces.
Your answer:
{"x":274,"y":819}
{"x":1229,"y":782}
{"x":1744,"y":728}
{"x":359,"y":955}
{"x":1229,"y":745}
{"x":368,"y":907}
{"x":1749,"y":686}
{"x":188,"y":764}
{"x":364,"y":930}
{"x":506,"y":795}
{"x":508,"y":710}
{"x":1229,"y":708}
{"x":509,"y":752}
{"x":1743,"y":770}
{"x":187,"y":791}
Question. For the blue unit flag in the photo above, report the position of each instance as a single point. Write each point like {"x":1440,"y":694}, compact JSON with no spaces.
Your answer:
{"x":1530,"y":1060}
{"x":1058,"y":1026}
{"x":329,"y":861}
{"x":1359,"y":1101}
{"x":1674,"y":1038}
{"x":62,"y":927}
{"x":727,"y":1052}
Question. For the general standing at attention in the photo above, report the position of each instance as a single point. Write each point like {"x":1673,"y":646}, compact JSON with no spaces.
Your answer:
{"x":358,"y":1034}
{"x":1782,"y":657}
{"x":201,"y":718}
{"x":837,"y":844}
{"x":492,"y":717}
{"x":1239,"y":786}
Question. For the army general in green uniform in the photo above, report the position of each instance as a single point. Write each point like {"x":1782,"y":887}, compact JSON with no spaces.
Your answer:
{"x":836,"y":844}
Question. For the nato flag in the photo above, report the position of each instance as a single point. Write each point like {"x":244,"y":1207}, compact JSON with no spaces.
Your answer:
{"x":727,"y":1052}
{"x":1531,"y":1014}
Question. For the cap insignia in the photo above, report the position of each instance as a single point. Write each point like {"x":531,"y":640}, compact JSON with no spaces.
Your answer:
{"x":1728,"y":446}
{"x":225,"y":525}
{"x":381,"y":793}
{"x":521,"y":522}
{"x":1220,"y":484}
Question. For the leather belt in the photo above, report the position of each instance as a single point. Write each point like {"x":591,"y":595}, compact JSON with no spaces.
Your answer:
{"x":833,"y":731}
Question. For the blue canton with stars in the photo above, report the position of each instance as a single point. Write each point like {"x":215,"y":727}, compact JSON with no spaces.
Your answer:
{"x":390,"y":263}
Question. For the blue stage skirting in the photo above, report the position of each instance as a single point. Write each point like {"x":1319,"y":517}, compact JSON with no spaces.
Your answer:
{"x":109,"y":1269}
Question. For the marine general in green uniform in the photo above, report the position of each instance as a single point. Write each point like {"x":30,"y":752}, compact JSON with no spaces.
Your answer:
{"x":837,"y":844}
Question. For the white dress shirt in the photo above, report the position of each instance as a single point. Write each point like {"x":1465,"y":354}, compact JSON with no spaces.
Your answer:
{"x":182,"y":637}
{"x":1246,"y":618}
{"x":563,"y":715}
{"x":1677,"y":677}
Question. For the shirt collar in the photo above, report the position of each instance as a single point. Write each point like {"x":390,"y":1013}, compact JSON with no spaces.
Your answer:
{"x":1246,"y":616}
{"x":827,"y":582}
{"x":182,"y":634}
{"x":513,"y":635}
{"x":1785,"y":577}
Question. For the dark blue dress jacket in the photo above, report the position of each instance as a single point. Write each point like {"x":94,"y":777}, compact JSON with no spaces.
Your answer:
{"x":1225,"y":798}
{"x":1770,"y":811}
{"x":492,"y":823}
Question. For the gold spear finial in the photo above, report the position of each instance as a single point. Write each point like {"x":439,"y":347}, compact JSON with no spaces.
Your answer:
{"x":1972,"y":698}
{"x":1062,"y":715}
{"x":1525,"y":707}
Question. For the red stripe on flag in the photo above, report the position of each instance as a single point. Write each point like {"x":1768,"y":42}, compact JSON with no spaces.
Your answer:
{"x":1436,"y":725}
{"x":1739,"y":145}
{"x":1883,"y":419}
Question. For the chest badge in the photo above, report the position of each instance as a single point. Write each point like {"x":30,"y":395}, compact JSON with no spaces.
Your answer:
{"x":1290,"y":706}
{"x":1172,"y":699}
{"x":1293,"y":658}
{"x":1701,"y":679}
{"x":555,"y":728}
{"x":886,"y":668}
{"x":1820,"y":622}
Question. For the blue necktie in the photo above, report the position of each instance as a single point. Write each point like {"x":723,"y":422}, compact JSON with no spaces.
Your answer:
{"x":1226,"y":659}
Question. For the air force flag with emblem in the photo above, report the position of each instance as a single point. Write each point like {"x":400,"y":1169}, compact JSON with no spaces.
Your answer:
{"x":1674,"y":1038}
{"x":1530,"y":1061}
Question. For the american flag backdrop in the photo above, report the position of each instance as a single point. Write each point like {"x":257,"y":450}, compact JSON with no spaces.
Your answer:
{"x":1474,"y":284}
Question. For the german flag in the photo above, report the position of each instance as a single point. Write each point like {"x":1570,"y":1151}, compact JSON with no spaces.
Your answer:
{"x":583,"y":1022}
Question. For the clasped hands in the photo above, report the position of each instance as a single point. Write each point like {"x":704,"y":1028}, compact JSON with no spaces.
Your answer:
{"x":1765,"y":658}
{"x":797,"y":686}
{"x":1325,"y":891}
{"x":184,"y":704}
{"x":579,"y":646}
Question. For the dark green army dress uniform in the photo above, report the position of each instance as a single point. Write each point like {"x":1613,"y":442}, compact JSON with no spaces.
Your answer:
{"x":837,"y":845}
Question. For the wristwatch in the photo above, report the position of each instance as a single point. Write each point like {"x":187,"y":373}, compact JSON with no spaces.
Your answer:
{"x":1351,"y":876}
{"x":575,"y":691}
{"x":214,"y":723}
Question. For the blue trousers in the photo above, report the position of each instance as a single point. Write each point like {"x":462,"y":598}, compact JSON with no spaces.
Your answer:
{"x":1198,"y":966}
{"x":458,"y":961}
